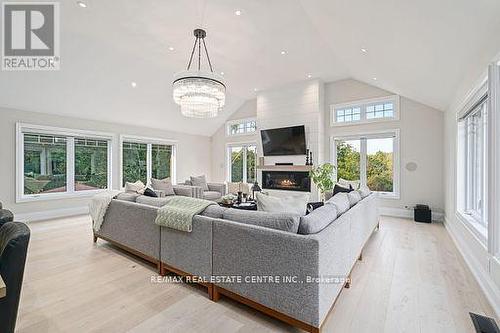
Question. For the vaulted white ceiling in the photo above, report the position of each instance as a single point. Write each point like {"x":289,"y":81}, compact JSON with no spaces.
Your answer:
{"x":420,"y":49}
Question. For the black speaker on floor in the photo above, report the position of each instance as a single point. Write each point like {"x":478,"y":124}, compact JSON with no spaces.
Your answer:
{"x":422,"y":213}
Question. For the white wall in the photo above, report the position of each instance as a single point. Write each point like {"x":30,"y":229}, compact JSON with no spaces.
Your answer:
{"x":421,"y":130}
{"x":193,"y":156}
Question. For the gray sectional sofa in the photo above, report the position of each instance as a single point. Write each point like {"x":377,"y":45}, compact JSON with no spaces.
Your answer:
{"x":302,"y":262}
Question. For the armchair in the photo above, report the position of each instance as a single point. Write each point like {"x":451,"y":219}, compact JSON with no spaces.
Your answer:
{"x":5,"y":215}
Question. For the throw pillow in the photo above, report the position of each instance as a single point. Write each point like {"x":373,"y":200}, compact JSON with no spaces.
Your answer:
{"x":354,"y":197}
{"x":200,"y":181}
{"x":280,"y":221}
{"x":150,"y":193}
{"x":341,"y":189}
{"x":164,"y":185}
{"x":318,"y":220}
{"x":341,"y":201}
{"x":137,"y":187}
{"x":354,"y":184}
{"x":293,"y":204}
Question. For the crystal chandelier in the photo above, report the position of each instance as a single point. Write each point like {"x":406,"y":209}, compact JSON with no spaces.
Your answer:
{"x":201,"y":94}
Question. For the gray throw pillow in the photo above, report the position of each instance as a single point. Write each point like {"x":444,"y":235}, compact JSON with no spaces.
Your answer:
{"x":164,"y":185}
{"x":200,"y":181}
{"x":279,"y":221}
{"x":317,"y":220}
{"x":127,"y":196}
{"x":341,"y":201}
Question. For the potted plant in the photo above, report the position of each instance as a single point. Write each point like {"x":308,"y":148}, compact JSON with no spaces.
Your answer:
{"x":322,"y":176}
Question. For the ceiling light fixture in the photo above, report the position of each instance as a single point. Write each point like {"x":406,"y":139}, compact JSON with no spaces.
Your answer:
{"x":133,"y":84}
{"x":309,"y":76}
{"x":81,"y":4}
{"x":221,"y":73}
{"x":201,"y":94}
{"x":283,"y":52}
{"x":171,"y":48}
{"x":364,"y":50}
{"x":237,"y":13}
{"x":255,"y":89}
{"x":374,"y":79}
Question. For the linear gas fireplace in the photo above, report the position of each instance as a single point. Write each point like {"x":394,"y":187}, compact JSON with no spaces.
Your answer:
{"x":286,"y":180}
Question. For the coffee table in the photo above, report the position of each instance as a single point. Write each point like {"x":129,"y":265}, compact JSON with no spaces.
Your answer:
{"x":249,"y":205}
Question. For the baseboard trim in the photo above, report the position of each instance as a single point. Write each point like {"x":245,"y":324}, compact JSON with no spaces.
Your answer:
{"x":51,"y":214}
{"x":406,"y":213}
{"x":489,"y":288}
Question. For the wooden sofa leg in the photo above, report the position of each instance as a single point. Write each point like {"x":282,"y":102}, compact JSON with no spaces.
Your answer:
{"x":360,"y":256}
{"x":215,"y":294}
{"x":314,"y":329}
{"x":210,"y":290}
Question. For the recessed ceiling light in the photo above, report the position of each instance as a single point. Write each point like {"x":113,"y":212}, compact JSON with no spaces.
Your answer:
{"x":81,"y":4}
{"x":171,"y":48}
{"x":133,"y":84}
{"x":255,"y":89}
{"x":309,"y":76}
{"x":283,"y":52}
{"x":374,"y":79}
{"x":364,"y":50}
{"x":238,"y":12}
{"x":222,"y":73}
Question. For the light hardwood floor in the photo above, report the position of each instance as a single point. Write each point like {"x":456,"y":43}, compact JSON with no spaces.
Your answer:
{"x":411,"y":279}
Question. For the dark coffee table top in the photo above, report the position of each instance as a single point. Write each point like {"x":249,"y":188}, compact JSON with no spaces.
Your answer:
{"x":249,"y":205}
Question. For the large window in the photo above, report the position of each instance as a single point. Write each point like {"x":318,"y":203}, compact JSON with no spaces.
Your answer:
{"x":372,"y":159}
{"x":242,"y":163}
{"x":472,"y":169}
{"x":144,"y":158}
{"x":241,"y":127}
{"x":55,"y":162}
{"x":378,"y":109}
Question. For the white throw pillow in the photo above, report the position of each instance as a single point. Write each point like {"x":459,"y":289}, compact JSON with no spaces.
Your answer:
{"x":164,"y":185}
{"x":137,"y":187}
{"x":346,"y":183}
{"x":341,"y":201}
{"x":354,"y":197}
{"x":200,"y":181}
{"x":293,"y":204}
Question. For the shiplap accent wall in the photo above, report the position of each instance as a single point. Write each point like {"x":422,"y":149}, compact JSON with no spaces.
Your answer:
{"x":300,"y":103}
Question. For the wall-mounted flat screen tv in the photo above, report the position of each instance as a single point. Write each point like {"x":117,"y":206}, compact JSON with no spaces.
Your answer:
{"x":284,"y":141}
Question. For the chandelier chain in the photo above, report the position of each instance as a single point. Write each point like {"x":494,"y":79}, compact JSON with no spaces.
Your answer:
{"x":208,"y":57}
{"x":192,"y":54}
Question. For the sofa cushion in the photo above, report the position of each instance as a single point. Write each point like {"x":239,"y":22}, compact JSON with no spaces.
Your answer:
{"x":200,"y":181}
{"x":157,"y":202}
{"x":341,"y":201}
{"x":164,"y":185}
{"x":296,"y":204}
{"x":127,"y":196}
{"x":317,"y":220}
{"x":354,"y":197}
{"x":214,"y":211}
{"x":364,"y":191}
{"x":137,"y":187}
{"x":211,"y":195}
{"x":279,"y":221}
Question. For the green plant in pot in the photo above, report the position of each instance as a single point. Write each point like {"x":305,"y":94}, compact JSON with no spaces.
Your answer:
{"x":322,"y":176}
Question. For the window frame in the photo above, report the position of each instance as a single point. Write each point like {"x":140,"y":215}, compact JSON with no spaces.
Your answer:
{"x":243,"y":122}
{"x":363,"y":105}
{"x":395,"y":133}
{"x":478,"y":224}
{"x":70,"y":134}
{"x":228,"y":159}
{"x":149,"y":166}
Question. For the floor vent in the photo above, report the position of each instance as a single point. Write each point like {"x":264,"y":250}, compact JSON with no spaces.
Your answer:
{"x":484,"y":324}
